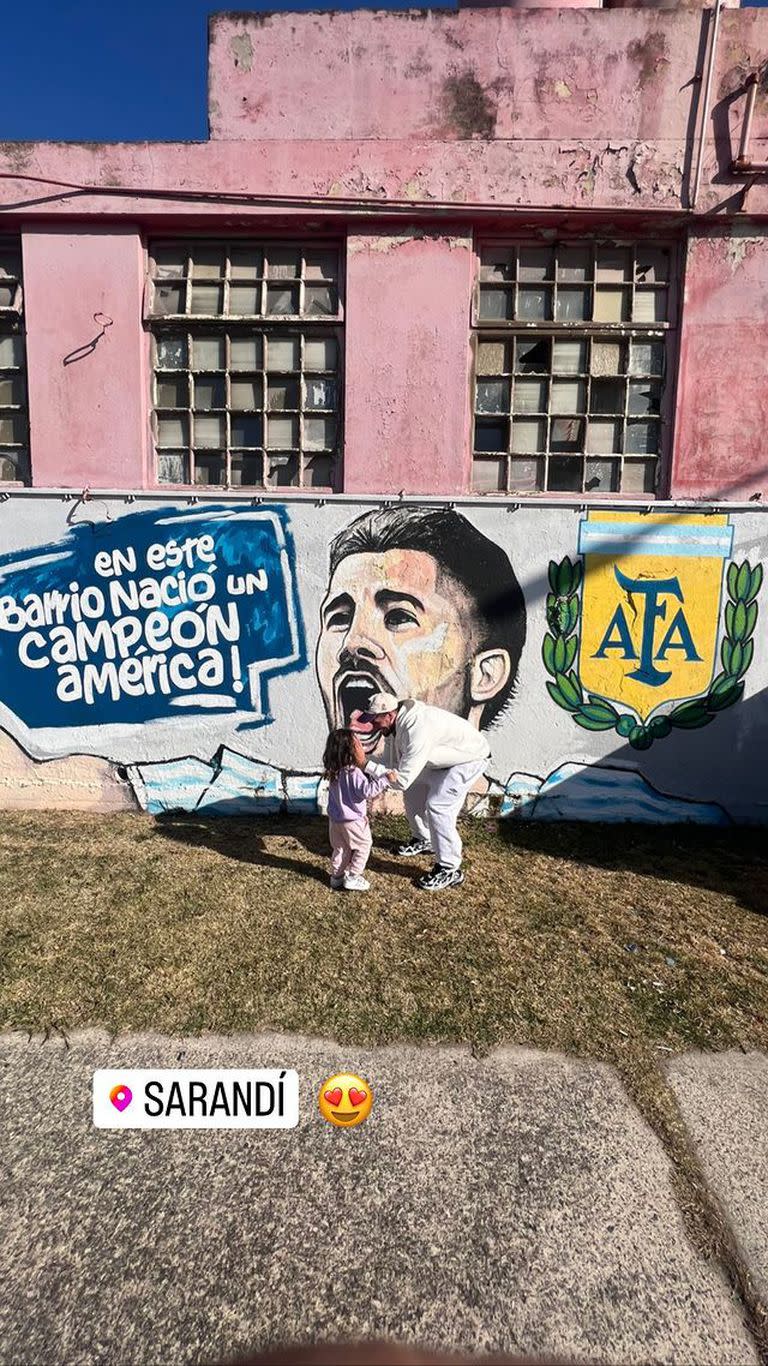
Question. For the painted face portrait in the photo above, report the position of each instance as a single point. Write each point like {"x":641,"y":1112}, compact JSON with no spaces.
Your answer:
{"x":410,"y":610}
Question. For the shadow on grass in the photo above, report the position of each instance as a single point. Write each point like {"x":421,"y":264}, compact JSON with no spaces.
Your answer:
{"x":733,"y":862}
{"x":245,"y":839}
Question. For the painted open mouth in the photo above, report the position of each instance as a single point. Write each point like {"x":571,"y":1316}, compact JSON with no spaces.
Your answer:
{"x":345,"y":1119}
{"x":354,"y":690}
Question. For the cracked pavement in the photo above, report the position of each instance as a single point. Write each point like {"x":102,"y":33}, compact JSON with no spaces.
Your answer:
{"x":515,"y":1203}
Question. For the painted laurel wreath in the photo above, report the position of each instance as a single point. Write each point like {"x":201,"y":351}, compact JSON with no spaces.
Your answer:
{"x":561,"y":644}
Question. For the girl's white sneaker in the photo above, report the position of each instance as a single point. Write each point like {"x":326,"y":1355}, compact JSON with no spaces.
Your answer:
{"x":354,"y":883}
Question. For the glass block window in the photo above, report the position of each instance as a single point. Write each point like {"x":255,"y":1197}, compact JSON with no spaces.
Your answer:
{"x":246,"y":344}
{"x":14,"y":420}
{"x":571,"y":347}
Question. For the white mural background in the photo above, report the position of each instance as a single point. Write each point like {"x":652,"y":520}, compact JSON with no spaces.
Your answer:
{"x":258,"y":750}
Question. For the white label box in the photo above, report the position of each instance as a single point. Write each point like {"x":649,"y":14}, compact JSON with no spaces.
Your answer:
{"x":195,"y":1098}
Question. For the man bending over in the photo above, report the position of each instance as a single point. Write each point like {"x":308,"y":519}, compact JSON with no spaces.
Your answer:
{"x":438,"y":756}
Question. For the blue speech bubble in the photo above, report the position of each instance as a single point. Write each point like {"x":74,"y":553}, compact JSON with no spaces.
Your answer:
{"x":157,"y":615}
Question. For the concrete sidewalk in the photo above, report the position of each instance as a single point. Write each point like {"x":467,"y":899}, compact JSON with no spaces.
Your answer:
{"x":724,"y":1101}
{"x":518,"y":1203}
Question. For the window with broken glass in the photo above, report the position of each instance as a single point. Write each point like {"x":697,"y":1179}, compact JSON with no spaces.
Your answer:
{"x":571,"y":344}
{"x":246,"y":341}
{"x":14,"y":419}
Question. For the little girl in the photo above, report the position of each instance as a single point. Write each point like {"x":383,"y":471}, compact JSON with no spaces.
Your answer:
{"x":349,"y":829}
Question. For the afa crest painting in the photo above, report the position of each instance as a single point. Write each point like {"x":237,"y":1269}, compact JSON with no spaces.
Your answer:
{"x":652,"y":629}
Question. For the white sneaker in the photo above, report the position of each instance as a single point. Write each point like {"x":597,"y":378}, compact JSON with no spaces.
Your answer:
{"x":440,"y":879}
{"x":354,"y":883}
{"x":336,"y":883}
{"x":413,"y":848}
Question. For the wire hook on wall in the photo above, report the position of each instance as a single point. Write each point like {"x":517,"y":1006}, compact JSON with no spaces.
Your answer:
{"x":85,"y":497}
{"x":103,"y":321}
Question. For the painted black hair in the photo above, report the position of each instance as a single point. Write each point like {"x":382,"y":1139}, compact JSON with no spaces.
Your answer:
{"x":463,"y":554}
{"x":339,"y":753}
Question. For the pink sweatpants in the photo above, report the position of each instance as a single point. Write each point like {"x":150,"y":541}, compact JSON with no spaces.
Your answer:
{"x":351,"y":843}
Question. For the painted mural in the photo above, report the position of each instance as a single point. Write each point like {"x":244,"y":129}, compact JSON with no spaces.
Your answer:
{"x":420,"y":604}
{"x":193,"y":658}
{"x":155,"y":616}
{"x":632,"y":644}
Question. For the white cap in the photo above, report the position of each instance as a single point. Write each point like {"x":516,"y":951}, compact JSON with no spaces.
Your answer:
{"x":380,"y":703}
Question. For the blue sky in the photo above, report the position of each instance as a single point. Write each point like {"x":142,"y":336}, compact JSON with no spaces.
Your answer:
{"x":105,"y":70}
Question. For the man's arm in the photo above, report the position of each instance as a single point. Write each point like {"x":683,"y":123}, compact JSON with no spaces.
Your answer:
{"x":375,"y":770}
{"x":414,"y":746}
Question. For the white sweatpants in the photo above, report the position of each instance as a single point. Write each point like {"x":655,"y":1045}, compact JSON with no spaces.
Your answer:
{"x":433,"y":804}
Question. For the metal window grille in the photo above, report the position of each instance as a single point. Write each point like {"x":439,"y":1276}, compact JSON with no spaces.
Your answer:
{"x":14,"y":417}
{"x":571,"y":352}
{"x":246,"y":340}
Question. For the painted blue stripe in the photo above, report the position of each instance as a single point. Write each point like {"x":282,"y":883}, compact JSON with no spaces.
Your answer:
{"x":627,"y":538}
{"x":647,"y":548}
{"x":670,"y":529}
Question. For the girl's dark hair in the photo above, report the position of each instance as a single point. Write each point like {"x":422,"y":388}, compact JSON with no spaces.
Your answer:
{"x":339,"y":753}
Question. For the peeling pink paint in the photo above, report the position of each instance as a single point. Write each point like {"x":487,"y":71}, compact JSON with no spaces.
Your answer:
{"x":381,"y":74}
{"x":410,"y":136}
{"x":720,"y":445}
{"x":408,"y":299}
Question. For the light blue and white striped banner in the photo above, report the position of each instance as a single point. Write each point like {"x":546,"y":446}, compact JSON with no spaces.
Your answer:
{"x":634,"y":538}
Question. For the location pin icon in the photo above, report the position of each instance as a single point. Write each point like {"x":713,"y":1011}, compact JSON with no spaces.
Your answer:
{"x":121,"y":1097}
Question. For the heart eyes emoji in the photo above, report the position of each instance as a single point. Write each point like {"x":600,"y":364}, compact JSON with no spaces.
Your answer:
{"x":345,"y":1100}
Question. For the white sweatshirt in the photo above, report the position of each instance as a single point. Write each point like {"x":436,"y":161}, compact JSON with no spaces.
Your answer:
{"x":430,"y":737}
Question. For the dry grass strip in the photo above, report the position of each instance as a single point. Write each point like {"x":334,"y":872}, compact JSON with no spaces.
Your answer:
{"x":618,"y":943}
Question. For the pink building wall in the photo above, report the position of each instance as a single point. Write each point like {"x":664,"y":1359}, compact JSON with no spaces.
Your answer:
{"x":408,"y":300}
{"x":407,"y":140}
{"x":414,"y":135}
{"x":721,"y":449}
{"x":440,"y":75}
{"x":89,"y":417}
